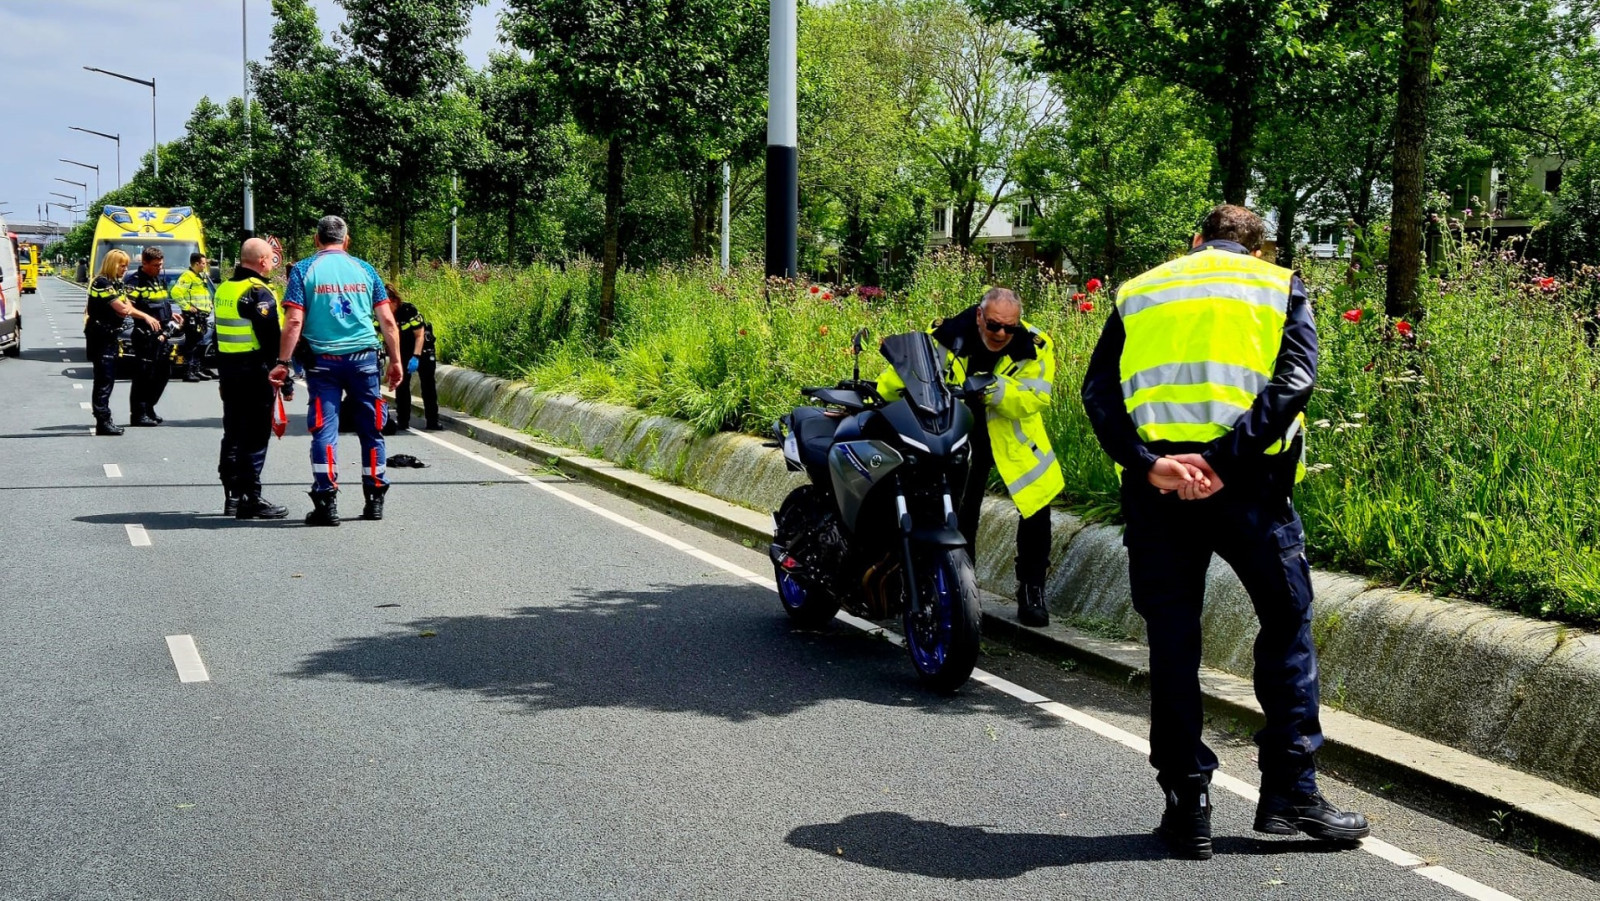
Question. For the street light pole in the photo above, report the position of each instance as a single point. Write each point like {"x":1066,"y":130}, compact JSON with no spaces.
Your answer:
{"x":85,"y":193}
{"x":117,"y":138}
{"x":155,"y":144}
{"x":727,"y":208}
{"x":783,"y":164}
{"x":249,"y":195}
{"x":87,"y":166}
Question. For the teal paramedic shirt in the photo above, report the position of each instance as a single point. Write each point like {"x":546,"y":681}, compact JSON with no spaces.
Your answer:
{"x":338,"y":293}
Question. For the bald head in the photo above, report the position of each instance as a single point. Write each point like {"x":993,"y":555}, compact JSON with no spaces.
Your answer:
{"x":256,"y":254}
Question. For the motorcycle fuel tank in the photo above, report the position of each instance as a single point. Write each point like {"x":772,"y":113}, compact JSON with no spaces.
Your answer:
{"x":855,"y":467}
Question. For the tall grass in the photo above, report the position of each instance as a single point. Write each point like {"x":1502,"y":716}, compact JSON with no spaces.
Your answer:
{"x":1462,"y":458}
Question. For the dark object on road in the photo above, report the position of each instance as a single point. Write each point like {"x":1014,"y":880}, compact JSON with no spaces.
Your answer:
{"x":374,"y":507}
{"x":1186,"y":824}
{"x":407,"y":461}
{"x":876,"y":531}
{"x":254,"y":506}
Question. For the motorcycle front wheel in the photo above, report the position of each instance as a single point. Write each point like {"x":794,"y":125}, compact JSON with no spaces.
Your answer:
{"x":943,"y":637}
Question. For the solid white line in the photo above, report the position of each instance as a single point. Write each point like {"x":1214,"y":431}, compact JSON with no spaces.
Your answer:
{"x":1472,"y":888}
{"x":137,"y":536}
{"x":1225,"y":781}
{"x":186,"y":657}
{"x":113,"y":471}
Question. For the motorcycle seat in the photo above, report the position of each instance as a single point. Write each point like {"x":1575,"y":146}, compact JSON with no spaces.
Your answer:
{"x":813,"y":432}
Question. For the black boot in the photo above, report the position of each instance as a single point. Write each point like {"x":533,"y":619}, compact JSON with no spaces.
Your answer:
{"x":106,"y":427}
{"x":1031,"y":608}
{"x":374,"y":508}
{"x":325,"y":508}
{"x":144,"y":420}
{"x":254,"y":506}
{"x":230,"y":503}
{"x":1288,"y":814}
{"x":1186,"y":824}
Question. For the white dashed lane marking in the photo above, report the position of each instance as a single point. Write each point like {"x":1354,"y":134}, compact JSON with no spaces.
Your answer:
{"x":1380,"y":849}
{"x":113,"y":471}
{"x":186,"y":657}
{"x":137,"y":536}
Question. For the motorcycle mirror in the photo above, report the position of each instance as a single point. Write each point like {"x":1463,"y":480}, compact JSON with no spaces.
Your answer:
{"x":855,"y":347}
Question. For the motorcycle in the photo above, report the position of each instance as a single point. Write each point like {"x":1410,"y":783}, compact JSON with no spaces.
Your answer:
{"x":875,"y":530}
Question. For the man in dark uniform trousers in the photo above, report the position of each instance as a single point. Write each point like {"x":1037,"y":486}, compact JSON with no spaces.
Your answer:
{"x":1197,"y":389}
{"x":148,"y":294}
{"x":247,"y":343}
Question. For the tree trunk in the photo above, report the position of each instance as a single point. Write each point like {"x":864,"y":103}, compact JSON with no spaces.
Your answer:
{"x":1420,"y":34}
{"x":613,"y":227}
{"x":1236,"y":154}
{"x":1288,"y":212}
{"x":397,"y":242}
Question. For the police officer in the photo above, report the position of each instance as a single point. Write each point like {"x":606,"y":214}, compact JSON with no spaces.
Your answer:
{"x":1009,"y":434}
{"x":1197,"y":390}
{"x":192,"y":293}
{"x":106,"y":315}
{"x":418,"y":355}
{"x":148,"y":293}
{"x":333,"y":298}
{"x":247,"y":343}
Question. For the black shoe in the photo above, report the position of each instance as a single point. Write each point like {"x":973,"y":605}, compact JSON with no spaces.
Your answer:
{"x":144,"y":421}
{"x":1186,"y":825}
{"x":191,"y":377}
{"x":325,"y":508}
{"x":403,"y":424}
{"x":156,"y":417}
{"x":204,"y":376}
{"x":258,"y":507}
{"x":230,"y":505}
{"x":107,"y":427}
{"x":1309,"y":814}
{"x":374,"y":508}
{"x":1031,"y":608}
{"x":433,"y":427}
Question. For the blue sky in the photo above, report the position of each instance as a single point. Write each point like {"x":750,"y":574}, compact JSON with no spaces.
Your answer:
{"x":191,"y":47}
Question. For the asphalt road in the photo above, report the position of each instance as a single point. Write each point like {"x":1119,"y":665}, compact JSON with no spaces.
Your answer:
{"x":513,"y":687}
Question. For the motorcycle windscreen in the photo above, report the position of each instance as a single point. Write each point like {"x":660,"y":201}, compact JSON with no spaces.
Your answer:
{"x":920,"y":364}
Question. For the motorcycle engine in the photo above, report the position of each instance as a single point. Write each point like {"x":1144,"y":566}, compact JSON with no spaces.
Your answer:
{"x":810,"y":531}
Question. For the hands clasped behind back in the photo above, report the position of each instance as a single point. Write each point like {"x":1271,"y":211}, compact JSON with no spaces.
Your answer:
{"x":1190,"y":475}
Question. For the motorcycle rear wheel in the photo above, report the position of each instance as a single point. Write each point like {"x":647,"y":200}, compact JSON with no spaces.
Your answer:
{"x":808,"y":605}
{"x":943,"y":641}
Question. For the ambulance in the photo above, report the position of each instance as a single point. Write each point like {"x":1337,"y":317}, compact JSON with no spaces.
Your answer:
{"x":130,"y":229}
{"x":10,"y":295}
{"x":28,"y":264}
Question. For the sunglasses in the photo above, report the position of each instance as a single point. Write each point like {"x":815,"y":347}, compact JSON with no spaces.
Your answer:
{"x":998,"y":327}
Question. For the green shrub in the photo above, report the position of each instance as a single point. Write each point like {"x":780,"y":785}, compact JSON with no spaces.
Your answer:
{"x":1462,"y":458}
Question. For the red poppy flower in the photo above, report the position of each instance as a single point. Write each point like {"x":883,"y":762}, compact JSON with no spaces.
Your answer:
{"x":822,"y":330}
{"x":815,"y":290}
{"x":1078,"y":298}
{"x":827,"y":295}
{"x":1093,"y":285}
{"x":1404,"y":328}
{"x":1086,"y":307}
{"x":1353,"y":315}
{"x":1547,"y":282}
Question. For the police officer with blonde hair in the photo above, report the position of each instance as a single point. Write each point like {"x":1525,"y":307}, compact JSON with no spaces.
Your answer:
{"x":1197,"y":389}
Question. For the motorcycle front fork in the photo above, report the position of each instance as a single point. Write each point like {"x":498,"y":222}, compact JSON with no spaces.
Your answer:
{"x":913,"y":597}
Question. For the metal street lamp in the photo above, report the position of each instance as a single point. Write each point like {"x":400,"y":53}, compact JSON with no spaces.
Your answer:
{"x":81,"y":185}
{"x":249,"y":195}
{"x":155,"y":145}
{"x":87,"y":166}
{"x":117,"y":138}
{"x":783,"y":166}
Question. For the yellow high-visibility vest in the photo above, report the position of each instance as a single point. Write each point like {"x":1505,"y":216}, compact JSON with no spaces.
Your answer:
{"x":1203,"y":334}
{"x":190,"y":292}
{"x":235,"y":334}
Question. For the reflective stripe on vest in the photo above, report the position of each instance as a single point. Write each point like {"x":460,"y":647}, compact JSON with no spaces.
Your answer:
{"x":235,"y":335}
{"x":1203,"y":334}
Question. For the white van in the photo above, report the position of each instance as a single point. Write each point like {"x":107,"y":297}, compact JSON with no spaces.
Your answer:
{"x":10,"y":295}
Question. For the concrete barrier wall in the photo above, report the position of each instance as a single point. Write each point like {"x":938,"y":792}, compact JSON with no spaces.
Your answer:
{"x":1515,"y":690}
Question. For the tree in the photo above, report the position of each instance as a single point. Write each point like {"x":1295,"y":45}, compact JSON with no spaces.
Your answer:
{"x":1235,"y":55}
{"x":1420,"y":34}
{"x":525,"y":141}
{"x":298,"y":176}
{"x":1121,"y":178}
{"x":981,"y":105}
{"x":644,"y":71}
{"x":402,"y":122}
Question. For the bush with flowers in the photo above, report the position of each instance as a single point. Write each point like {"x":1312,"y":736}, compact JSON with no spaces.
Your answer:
{"x":1456,"y":453}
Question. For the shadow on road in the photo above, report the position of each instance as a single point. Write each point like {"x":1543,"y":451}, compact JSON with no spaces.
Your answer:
{"x":901,"y":844}
{"x":183,"y":520}
{"x":676,"y":648}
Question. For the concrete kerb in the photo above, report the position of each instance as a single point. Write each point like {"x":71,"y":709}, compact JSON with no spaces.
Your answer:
{"x":1469,"y":686}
